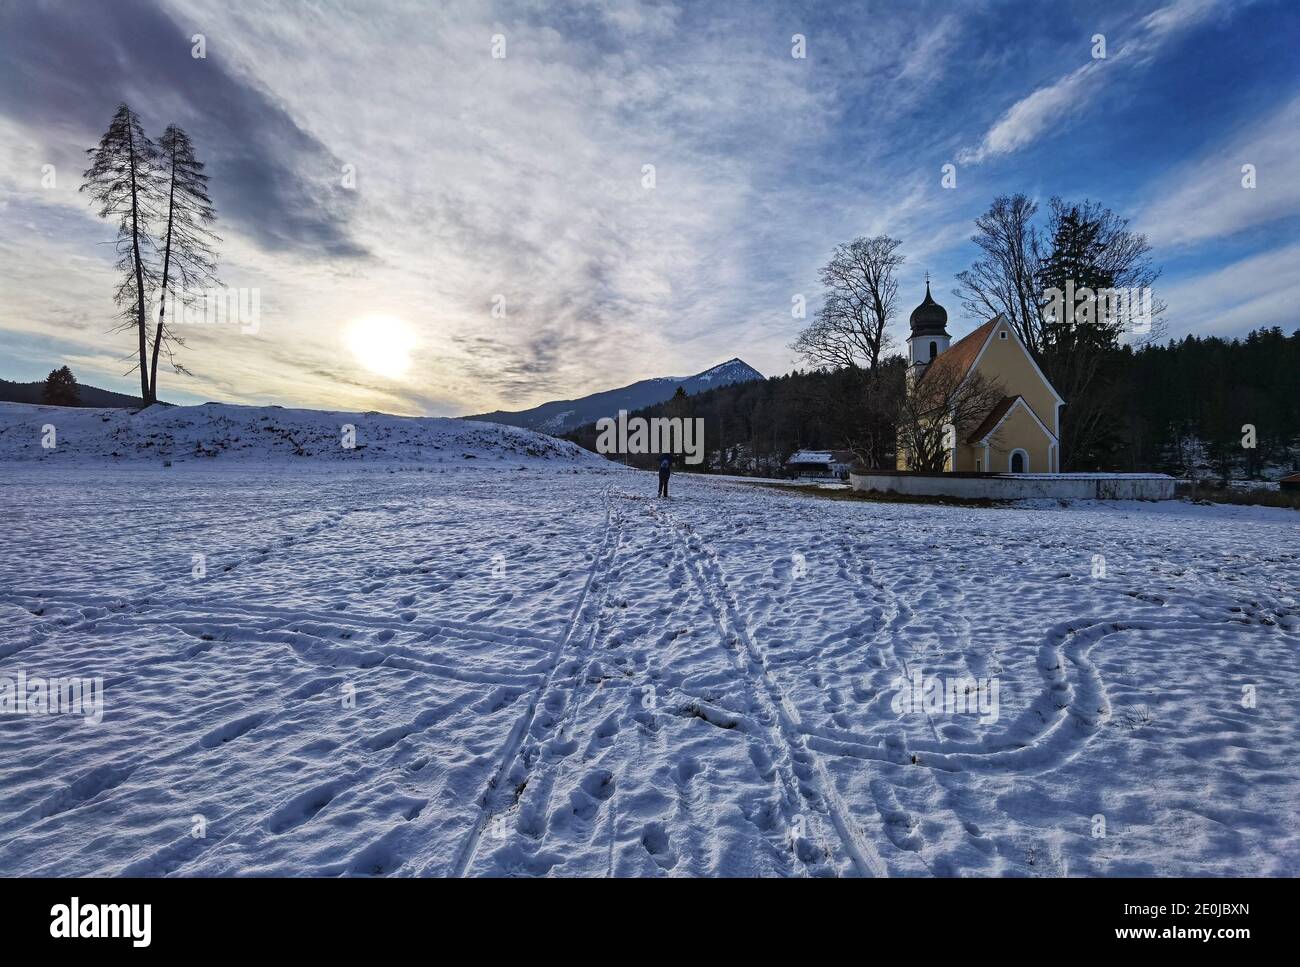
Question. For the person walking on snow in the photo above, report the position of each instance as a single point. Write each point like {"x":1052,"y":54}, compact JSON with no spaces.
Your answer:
{"x":665,"y":471}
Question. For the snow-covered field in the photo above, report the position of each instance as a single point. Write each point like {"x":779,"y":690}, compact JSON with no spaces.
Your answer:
{"x":386,"y":670}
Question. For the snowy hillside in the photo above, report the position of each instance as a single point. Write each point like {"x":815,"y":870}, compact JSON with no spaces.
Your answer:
{"x":224,"y":433}
{"x":386,"y":674}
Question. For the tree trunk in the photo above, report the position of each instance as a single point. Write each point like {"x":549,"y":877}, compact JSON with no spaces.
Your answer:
{"x":162,"y":289}
{"x":139,"y":274}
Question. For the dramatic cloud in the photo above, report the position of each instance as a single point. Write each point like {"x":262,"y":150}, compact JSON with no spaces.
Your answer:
{"x":68,"y":65}
{"x":633,"y":189}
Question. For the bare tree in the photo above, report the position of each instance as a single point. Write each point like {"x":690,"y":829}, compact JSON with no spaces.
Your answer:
{"x":1004,"y":280}
{"x":943,"y":408}
{"x":861,"y":298}
{"x":122,"y":179}
{"x":187,"y":242}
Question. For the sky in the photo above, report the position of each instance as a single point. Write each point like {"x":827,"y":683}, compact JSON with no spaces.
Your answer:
{"x":456,"y":207}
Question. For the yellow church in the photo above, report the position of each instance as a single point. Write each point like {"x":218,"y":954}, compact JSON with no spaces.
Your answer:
{"x":1020,"y":430}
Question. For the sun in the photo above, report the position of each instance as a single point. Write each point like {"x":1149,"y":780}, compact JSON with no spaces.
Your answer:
{"x":382,"y":344}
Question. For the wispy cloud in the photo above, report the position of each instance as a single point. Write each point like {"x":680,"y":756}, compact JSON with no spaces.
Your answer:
{"x":522,"y":180}
{"x":1209,"y":198}
{"x":1262,"y":290}
{"x":1035,"y":113}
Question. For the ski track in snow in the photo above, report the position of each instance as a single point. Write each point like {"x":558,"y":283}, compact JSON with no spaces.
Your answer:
{"x":557,"y":674}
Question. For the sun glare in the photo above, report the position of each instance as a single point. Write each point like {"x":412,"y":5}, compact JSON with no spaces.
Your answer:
{"x":382,"y":344}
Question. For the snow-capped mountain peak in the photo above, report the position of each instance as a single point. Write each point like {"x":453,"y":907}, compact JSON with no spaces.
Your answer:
{"x":734,"y":370}
{"x":561,"y":416}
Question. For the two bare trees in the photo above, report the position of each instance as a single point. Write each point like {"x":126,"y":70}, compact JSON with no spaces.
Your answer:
{"x":851,"y":332}
{"x":1082,"y":248}
{"x":158,"y":192}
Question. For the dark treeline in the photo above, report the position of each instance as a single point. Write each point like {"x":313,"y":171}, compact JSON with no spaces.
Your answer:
{"x":1178,"y":408}
{"x":1190,"y":406}
{"x":752,"y":427}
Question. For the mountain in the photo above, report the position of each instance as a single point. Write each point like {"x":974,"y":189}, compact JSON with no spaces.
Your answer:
{"x":561,"y":416}
{"x":91,"y":396}
{"x":223,"y":433}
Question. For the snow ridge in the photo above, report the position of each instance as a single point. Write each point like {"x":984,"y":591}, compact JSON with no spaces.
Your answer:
{"x":222,"y":433}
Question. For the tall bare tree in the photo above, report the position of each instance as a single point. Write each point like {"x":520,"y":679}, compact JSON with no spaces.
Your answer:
{"x":1004,"y":280}
{"x":123,"y":181}
{"x":850,"y":328}
{"x":187,"y":242}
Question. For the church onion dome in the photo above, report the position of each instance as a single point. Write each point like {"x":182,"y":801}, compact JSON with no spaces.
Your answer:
{"x":929,"y":318}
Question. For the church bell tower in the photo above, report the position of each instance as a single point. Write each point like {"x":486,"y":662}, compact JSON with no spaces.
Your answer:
{"x":929,"y":335}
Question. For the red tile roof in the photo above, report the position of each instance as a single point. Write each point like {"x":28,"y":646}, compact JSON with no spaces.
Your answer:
{"x":990,"y":421}
{"x":961,"y":355}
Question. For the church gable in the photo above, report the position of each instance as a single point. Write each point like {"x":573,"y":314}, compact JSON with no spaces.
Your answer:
{"x":1006,"y":412}
{"x":1005,"y":359}
{"x":1011,"y":428}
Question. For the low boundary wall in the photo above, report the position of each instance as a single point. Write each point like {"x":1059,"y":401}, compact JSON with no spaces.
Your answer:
{"x":1018,"y":486}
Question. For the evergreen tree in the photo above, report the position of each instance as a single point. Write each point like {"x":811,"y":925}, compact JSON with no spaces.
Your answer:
{"x":1091,"y":247}
{"x":61,"y":388}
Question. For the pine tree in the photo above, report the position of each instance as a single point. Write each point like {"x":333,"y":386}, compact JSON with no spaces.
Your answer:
{"x":61,"y":388}
{"x":187,"y":254}
{"x":123,"y":180}
{"x":679,"y":405}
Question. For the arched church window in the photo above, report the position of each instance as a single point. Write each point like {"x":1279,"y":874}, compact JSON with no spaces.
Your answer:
{"x":934,"y":349}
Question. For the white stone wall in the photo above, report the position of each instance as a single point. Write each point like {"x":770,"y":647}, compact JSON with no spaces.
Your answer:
{"x":1075,"y":486}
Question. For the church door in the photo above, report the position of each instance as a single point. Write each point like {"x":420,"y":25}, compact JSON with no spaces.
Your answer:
{"x":1017,"y":462}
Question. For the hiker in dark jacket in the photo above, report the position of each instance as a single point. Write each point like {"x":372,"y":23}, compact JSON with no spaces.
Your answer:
{"x":665,"y":471}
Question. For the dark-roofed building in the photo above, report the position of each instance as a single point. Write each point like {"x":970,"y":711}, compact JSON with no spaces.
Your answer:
{"x":821,"y":463}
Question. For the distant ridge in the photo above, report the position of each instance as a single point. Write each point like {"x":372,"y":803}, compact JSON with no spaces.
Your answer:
{"x":561,"y":416}
{"x":91,"y":396}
